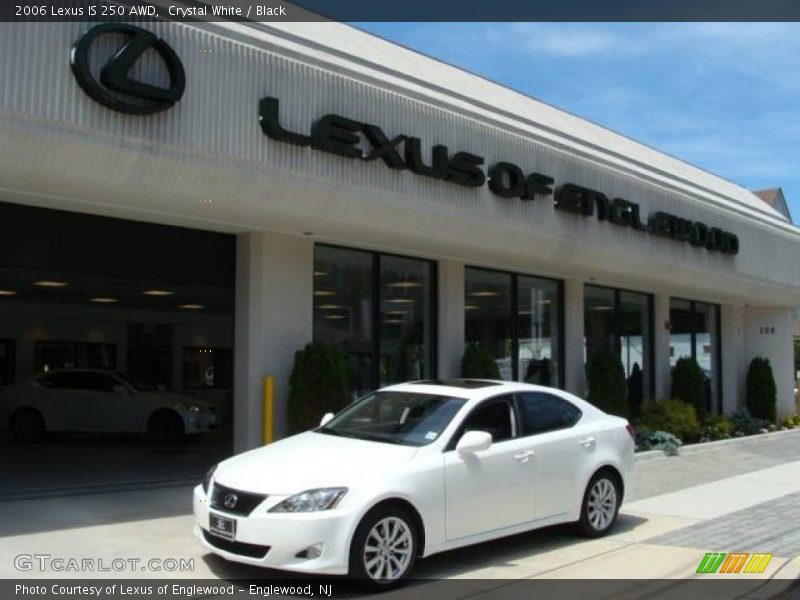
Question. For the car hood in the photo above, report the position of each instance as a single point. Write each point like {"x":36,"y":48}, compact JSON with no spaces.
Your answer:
{"x":309,"y":460}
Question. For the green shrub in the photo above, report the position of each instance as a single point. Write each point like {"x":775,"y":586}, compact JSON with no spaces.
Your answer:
{"x":745,"y":424}
{"x":791,"y":422}
{"x":478,"y":363}
{"x":674,"y":416}
{"x":657,"y":440}
{"x":717,"y":428}
{"x":318,"y":385}
{"x":689,"y":385}
{"x":761,"y":392}
{"x":608,"y":388}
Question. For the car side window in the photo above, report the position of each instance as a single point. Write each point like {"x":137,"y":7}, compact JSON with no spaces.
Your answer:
{"x":494,"y":416}
{"x":540,"y":412}
{"x":98,"y":382}
{"x":61,"y":381}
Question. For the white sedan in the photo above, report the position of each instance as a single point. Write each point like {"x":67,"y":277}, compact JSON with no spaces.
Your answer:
{"x":99,"y":401}
{"x":415,"y":469}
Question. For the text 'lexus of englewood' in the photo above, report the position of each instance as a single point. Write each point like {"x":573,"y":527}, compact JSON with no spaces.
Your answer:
{"x":415,"y":469}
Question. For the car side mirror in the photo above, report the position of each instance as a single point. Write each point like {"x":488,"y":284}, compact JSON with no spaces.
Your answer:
{"x":325,"y":418}
{"x":474,"y":441}
{"x":119,"y":389}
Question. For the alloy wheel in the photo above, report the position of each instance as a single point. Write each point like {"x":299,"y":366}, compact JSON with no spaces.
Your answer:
{"x":602,"y":504}
{"x":388,"y":548}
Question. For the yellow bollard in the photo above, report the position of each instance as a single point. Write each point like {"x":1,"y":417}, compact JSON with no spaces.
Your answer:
{"x":269,"y":393}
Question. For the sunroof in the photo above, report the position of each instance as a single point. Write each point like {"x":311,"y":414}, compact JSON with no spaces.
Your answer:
{"x":468,"y":384}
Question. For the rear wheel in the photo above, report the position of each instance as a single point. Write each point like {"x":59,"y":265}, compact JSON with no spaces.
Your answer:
{"x":384,"y":548}
{"x":27,"y":425}
{"x":600,"y":505}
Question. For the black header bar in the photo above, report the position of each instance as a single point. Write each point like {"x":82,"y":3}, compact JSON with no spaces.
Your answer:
{"x":407,"y":10}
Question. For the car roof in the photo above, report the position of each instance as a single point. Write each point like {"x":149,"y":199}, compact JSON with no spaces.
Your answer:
{"x":470,"y":389}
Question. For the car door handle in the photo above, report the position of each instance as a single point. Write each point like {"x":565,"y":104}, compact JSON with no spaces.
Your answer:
{"x":587,"y":441}
{"x":524,"y":456}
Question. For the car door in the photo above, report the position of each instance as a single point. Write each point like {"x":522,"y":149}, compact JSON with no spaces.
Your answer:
{"x":494,"y":488}
{"x":57,"y":398}
{"x":563,"y":447}
{"x":118,"y":408}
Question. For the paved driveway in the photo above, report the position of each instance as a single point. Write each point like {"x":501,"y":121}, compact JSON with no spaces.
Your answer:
{"x":739,"y":498}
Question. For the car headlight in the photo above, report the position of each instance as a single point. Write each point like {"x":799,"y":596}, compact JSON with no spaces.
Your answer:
{"x":194,"y":409}
{"x":207,"y":478}
{"x":311,"y":500}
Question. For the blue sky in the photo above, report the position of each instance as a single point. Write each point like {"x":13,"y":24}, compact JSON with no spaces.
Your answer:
{"x":722,"y":96}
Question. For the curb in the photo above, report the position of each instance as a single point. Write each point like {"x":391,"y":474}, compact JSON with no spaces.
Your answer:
{"x":694,"y":448}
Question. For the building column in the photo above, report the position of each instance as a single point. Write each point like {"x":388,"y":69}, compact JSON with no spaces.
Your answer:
{"x":661,"y":346}
{"x":769,"y":332}
{"x":574,"y":369}
{"x":274,"y":314}
{"x":451,"y":318}
{"x":734,"y":367}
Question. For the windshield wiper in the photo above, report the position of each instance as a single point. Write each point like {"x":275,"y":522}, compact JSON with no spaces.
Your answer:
{"x":360,"y":436}
{"x":329,"y":431}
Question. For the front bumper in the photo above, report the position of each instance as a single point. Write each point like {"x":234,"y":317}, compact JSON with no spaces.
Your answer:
{"x":286,"y":535}
{"x":201,"y":422}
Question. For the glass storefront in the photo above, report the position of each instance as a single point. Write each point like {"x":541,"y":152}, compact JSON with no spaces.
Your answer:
{"x":694,"y":333}
{"x":406,"y":319}
{"x":620,"y":321}
{"x":516,"y":318}
{"x":379,"y":310}
{"x":487,"y":316}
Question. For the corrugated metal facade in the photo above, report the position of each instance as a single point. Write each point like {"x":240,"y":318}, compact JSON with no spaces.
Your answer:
{"x":210,"y":142}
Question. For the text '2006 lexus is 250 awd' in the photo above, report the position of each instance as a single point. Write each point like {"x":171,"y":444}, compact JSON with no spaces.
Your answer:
{"x":415,"y":469}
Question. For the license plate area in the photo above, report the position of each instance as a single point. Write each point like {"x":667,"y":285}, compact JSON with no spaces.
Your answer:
{"x":223,"y":527}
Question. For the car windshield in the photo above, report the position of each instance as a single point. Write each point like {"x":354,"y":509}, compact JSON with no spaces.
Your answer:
{"x":404,"y":418}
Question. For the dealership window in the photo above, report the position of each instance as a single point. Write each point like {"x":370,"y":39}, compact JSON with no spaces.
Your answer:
{"x":620,"y":321}
{"x":694,"y":333}
{"x":207,"y":368}
{"x":50,"y":356}
{"x":7,"y":362}
{"x":517,"y":319}
{"x":379,"y":310}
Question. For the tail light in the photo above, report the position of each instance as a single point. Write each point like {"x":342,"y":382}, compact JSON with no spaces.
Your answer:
{"x":631,"y":431}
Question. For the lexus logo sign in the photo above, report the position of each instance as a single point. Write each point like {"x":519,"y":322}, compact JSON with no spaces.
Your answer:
{"x":230,"y":500}
{"x":115,"y":88}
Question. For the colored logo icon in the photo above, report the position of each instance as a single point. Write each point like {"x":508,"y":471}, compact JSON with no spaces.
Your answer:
{"x":113,"y":86}
{"x":733,"y":562}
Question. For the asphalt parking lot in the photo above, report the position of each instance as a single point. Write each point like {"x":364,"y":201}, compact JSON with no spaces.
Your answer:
{"x":743,"y":497}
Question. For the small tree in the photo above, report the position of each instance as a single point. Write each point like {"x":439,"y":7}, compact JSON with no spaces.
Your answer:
{"x":689,"y":384}
{"x":478,"y":363}
{"x":608,"y":388}
{"x":318,"y":385}
{"x":761,"y":392}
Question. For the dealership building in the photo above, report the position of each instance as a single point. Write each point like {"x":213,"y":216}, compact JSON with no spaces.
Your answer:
{"x":211,"y":200}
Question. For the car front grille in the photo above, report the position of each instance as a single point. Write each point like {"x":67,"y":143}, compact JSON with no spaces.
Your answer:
{"x":235,"y":502}
{"x":241,"y":548}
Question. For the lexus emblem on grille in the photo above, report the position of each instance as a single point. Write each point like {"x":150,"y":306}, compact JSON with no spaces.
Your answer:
{"x":114,"y":86}
{"x":230,"y":500}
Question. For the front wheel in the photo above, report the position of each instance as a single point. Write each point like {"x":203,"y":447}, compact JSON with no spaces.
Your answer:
{"x":384,"y":548}
{"x":600,"y":505}
{"x":27,"y":426}
{"x":166,"y":427}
